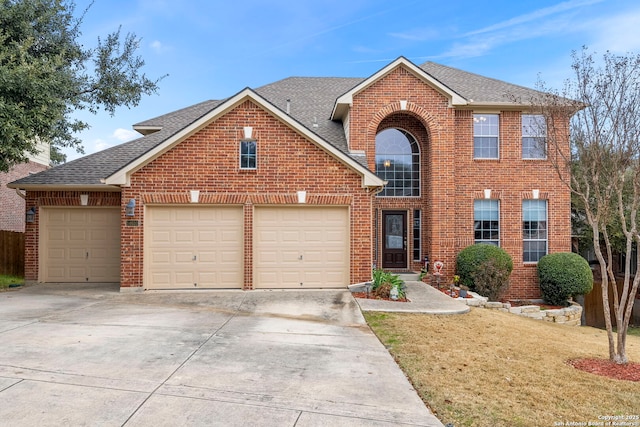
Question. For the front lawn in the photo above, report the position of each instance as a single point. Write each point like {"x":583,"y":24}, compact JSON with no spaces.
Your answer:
{"x":6,"y":280}
{"x":487,"y":368}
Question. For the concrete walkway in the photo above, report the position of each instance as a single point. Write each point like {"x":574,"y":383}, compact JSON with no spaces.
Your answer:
{"x":88,"y":355}
{"x":422,"y":299}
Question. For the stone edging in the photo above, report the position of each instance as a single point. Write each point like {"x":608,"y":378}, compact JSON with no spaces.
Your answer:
{"x":565,"y":316}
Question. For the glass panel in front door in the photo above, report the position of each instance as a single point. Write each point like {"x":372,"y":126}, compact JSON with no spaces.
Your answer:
{"x":395,"y":236}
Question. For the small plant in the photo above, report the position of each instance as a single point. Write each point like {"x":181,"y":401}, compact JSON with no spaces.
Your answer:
{"x":563,"y":275}
{"x":383,"y":282}
{"x":7,"y":280}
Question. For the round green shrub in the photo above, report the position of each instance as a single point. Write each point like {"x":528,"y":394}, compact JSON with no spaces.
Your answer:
{"x":470,"y":260}
{"x":563,"y":275}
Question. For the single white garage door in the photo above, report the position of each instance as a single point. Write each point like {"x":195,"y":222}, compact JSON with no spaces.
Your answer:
{"x":301,"y":247}
{"x":193,"y":247}
{"x":80,"y":245}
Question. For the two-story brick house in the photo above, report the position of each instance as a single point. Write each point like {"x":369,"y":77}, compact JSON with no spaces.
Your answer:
{"x":307,"y":183}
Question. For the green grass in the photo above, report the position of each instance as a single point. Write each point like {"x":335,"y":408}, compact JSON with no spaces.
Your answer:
{"x":6,"y":280}
{"x":634,"y":330}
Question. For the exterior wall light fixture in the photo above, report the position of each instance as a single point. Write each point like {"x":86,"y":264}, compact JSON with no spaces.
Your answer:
{"x":31,"y":215}
{"x":130,"y":208}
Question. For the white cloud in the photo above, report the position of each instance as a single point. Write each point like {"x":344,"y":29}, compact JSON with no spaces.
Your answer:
{"x":157,"y":46}
{"x":618,"y":34}
{"x":419,"y":34}
{"x":554,"y":21}
{"x":99,"y":145}
{"x":535,"y":15}
{"x":124,"y":135}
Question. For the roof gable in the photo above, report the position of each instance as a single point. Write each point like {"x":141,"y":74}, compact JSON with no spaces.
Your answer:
{"x":123,"y":175}
{"x":343,"y":103}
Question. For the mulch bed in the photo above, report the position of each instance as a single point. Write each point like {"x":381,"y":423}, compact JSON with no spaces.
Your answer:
{"x":364,"y":295}
{"x":606,"y":368}
{"x":520,"y":303}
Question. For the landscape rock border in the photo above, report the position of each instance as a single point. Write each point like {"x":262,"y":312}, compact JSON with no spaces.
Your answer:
{"x":565,"y":316}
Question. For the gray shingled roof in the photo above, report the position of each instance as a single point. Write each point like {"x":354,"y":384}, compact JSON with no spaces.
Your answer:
{"x":480,"y":89}
{"x":311,"y":103}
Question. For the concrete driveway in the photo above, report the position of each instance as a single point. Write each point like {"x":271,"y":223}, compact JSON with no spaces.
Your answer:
{"x":88,"y":355}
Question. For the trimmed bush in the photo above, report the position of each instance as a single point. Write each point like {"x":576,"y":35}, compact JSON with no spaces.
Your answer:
{"x":471,"y":259}
{"x":491,"y":280}
{"x":563,"y":275}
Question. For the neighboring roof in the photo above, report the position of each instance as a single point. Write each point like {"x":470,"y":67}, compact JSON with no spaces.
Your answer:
{"x":312,"y":101}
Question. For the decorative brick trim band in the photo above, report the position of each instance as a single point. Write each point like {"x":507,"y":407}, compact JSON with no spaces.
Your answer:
{"x":72,"y":198}
{"x":544,"y":195}
{"x":183,"y":198}
{"x":495,"y":194}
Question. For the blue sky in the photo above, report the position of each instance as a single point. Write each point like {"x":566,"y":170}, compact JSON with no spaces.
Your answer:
{"x":213,"y":49}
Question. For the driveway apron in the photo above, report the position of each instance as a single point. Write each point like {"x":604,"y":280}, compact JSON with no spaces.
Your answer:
{"x":88,"y":355}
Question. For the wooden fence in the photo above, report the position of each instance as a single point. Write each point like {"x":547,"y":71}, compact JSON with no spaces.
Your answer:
{"x":12,"y":253}
{"x":594,"y":309}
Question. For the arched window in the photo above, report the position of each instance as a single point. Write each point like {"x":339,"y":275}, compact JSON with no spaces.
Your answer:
{"x":398,"y":162}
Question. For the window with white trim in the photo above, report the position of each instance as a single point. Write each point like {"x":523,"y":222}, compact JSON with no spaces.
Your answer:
{"x":534,"y":230}
{"x":534,"y":136}
{"x":486,"y":221}
{"x":248,"y":154}
{"x":486,"y":129}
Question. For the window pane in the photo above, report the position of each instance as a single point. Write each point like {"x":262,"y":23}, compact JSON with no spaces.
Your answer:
{"x":417,"y":223}
{"x":534,"y":230}
{"x":485,"y":136}
{"x":248,"y":154}
{"x":486,"y":224}
{"x":534,"y":136}
{"x":398,"y":163}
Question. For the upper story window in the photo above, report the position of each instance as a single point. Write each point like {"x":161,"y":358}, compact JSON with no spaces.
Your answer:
{"x":486,"y":128}
{"x":486,"y":221}
{"x":534,"y":136}
{"x":398,"y":163}
{"x":534,"y":230}
{"x":248,"y":154}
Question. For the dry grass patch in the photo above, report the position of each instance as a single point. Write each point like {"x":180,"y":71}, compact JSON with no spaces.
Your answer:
{"x":487,"y":368}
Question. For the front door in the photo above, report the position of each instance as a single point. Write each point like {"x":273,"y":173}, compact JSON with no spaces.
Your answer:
{"x":394,"y":245}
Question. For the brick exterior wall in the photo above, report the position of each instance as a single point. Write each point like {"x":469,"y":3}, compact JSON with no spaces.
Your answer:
{"x":12,"y":206}
{"x":209,"y":161}
{"x":451,"y":179}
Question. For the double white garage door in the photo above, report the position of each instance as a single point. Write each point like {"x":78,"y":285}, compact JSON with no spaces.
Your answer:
{"x":191,"y":247}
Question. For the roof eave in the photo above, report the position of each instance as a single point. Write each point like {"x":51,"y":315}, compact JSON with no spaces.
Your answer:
{"x":147,"y":130}
{"x":65,"y":187}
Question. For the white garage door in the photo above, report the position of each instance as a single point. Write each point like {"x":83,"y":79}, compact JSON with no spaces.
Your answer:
{"x":301,"y":247}
{"x":191,"y":247}
{"x":80,"y":245}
